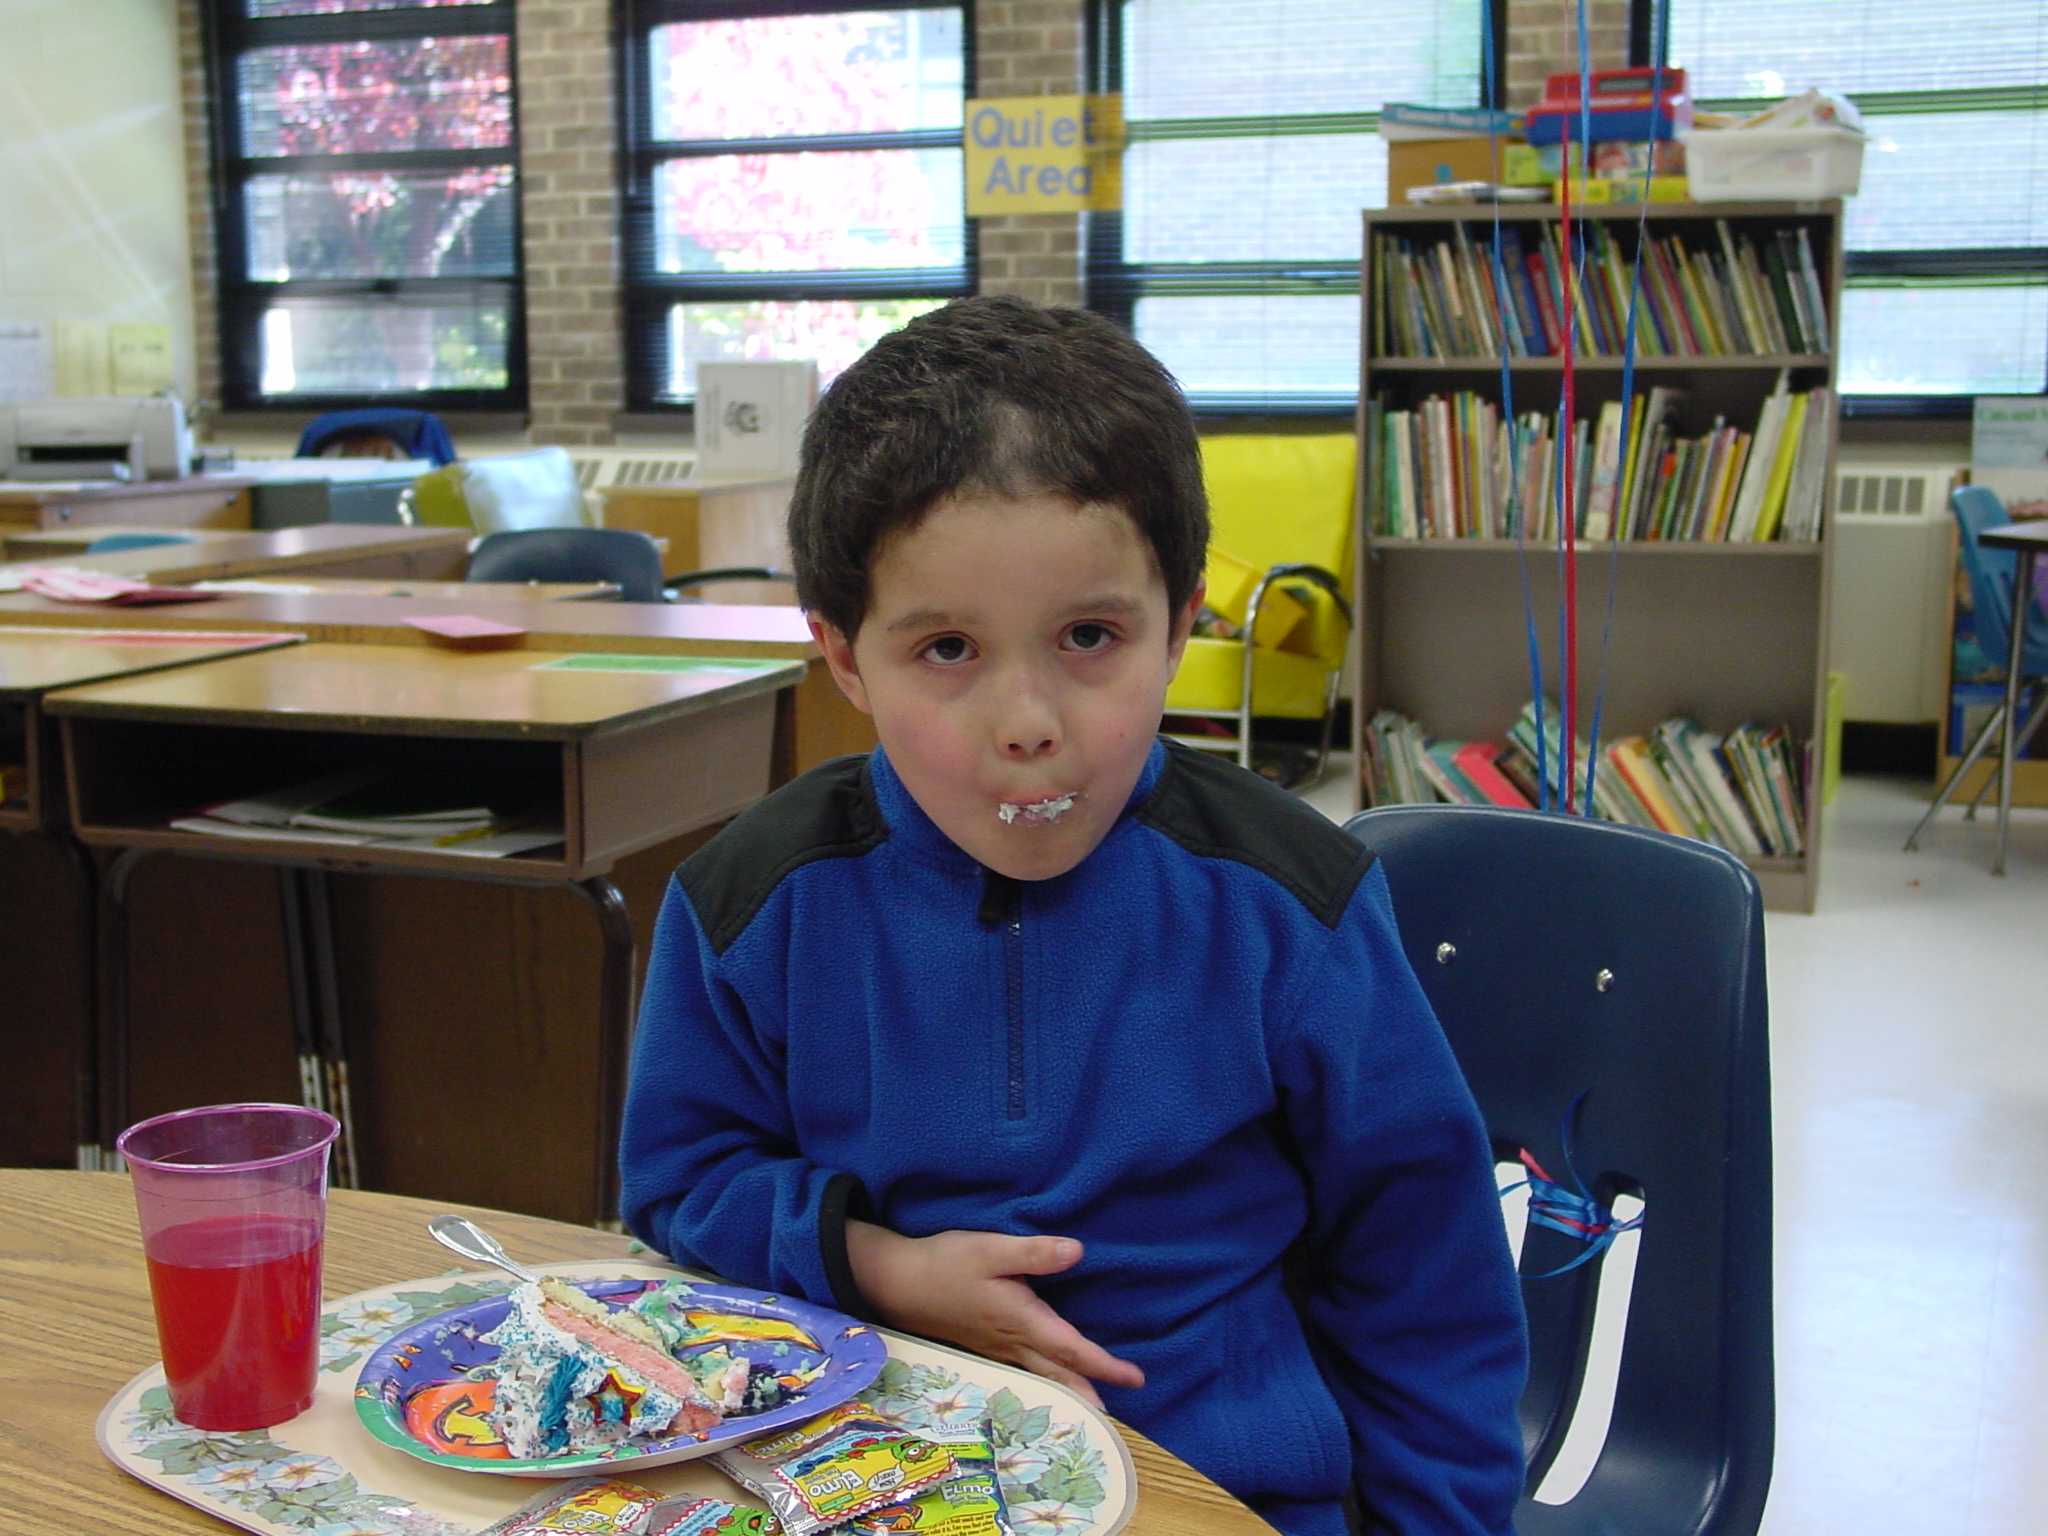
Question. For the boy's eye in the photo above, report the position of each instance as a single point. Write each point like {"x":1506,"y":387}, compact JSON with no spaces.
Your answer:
{"x":1090,"y":637}
{"x":949,"y":650}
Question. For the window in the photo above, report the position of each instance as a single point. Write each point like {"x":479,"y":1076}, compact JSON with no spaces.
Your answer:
{"x":793,"y":183}
{"x":366,"y":202}
{"x":1251,"y":148}
{"x":1947,"y":242}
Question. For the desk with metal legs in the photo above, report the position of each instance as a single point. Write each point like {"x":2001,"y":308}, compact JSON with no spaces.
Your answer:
{"x":627,"y":753}
{"x":34,"y":663}
{"x":2026,"y":541}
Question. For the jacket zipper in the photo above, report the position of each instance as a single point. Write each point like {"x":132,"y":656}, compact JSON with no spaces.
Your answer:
{"x":1002,"y":902}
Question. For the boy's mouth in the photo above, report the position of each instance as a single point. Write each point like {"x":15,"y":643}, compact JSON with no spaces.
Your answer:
{"x":1037,"y":812}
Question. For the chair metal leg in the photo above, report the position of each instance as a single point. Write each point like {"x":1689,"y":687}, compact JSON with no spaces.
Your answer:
{"x":615,"y":1032}
{"x":1956,"y":775}
{"x":319,"y":1035}
{"x":111,"y":1112}
{"x":89,"y":1133}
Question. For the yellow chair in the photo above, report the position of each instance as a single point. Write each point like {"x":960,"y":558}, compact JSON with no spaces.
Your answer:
{"x":1279,"y":568}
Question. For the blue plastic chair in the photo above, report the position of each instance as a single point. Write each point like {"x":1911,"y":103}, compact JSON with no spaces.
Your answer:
{"x":1991,"y":572}
{"x":1611,"y":979}
{"x":629,"y":559}
{"x":418,"y":434}
{"x":114,"y":541}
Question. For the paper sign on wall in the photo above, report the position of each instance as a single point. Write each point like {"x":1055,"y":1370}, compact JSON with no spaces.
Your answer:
{"x":140,"y":356}
{"x":2009,"y":432}
{"x":1044,"y":154}
{"x":25,"y":372}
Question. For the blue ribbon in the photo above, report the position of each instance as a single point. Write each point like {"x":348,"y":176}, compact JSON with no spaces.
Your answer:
{"x":1569,"y":1209}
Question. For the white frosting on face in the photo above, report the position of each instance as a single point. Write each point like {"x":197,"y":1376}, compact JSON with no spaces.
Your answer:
{"x":1038,"y":811}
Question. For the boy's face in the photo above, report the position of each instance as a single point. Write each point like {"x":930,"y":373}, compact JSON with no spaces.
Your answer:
{"x":1015,"y":657}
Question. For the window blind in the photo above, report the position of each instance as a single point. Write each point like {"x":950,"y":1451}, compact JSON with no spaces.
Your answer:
{"x":1947,"y":241}
{"x":1252,"y":147}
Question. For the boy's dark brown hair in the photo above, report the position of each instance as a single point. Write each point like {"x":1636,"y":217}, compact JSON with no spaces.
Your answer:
{"x":993,"y":396}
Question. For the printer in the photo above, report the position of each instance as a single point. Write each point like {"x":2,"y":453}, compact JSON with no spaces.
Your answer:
{"x":95,"y":438}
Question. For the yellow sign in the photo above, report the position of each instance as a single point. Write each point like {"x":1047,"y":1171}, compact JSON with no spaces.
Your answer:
{"x":1044,"y":154}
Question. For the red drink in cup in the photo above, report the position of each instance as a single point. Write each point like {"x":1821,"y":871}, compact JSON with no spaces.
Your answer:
{"x":233,"y":1202}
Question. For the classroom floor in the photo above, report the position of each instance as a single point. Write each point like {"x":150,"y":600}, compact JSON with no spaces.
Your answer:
{"x":1910,"y":1057}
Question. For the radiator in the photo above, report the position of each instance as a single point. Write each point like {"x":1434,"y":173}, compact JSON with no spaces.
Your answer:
{"x":1888,"y":600}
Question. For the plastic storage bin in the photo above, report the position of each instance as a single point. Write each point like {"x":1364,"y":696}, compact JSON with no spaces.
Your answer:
{"x":1731,"y":165}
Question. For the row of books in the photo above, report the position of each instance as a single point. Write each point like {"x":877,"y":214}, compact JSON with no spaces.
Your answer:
{"x":1744,"y":791}
{"x":1472,"y":296}
{"x":1454,"y":466}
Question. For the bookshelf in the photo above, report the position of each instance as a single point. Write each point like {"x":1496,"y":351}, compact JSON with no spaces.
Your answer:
{"x":1725,"y":628}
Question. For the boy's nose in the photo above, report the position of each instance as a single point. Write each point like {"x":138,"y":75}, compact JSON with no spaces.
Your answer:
{"x":1030,"y":724}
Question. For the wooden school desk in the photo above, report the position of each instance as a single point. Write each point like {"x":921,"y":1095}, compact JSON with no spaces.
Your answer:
{"x":324,"y":549}
{"x":69,"y":1250}
{"x":819,"y":723}
{"x":46,"y":1007}
{"x":292,"y":584}
{"x":625,"y":752}
{"x":710,"y":524}
{"x":197,"y":501}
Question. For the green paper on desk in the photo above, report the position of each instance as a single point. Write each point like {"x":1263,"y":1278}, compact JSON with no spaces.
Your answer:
{"x":732,"y":666}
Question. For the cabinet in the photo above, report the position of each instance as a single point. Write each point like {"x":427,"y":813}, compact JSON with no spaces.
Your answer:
{"x":1725,"y":630}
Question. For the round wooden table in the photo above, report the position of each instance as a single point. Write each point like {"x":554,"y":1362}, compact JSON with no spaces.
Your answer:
{"x":76,"y":1324}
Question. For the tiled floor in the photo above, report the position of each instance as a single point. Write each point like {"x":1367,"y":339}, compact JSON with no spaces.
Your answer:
{"x":1910,"y":1052}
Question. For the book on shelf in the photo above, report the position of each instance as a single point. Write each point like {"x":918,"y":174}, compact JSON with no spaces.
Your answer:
{"x":372,"y":806}
{"x":1743,"y":792}
{"x":1715,"y":292}
{"x":1454,"y":466}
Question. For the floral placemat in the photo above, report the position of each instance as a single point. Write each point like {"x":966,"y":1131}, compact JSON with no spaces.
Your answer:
{"x":1064,"y":1470}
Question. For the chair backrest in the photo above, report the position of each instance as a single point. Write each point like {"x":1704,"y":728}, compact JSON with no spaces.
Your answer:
{"x":621,"y":555}
{"x":1582,"y":963}
{"x":416,"y":434}
{"x":1978,"y":509}
{"x":523,"y":490}
{"x":1282,"y":499}
{"x":108,"y":543}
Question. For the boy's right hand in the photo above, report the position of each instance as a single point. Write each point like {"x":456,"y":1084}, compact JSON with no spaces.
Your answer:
{"x":963,"y":1287}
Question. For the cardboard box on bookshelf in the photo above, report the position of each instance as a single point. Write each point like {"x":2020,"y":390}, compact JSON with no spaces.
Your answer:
{"x":1432,"y":162}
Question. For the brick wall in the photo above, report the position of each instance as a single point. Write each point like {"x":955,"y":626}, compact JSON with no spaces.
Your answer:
{"x":1030,"y":48}
{"x":199,"y":208}
{"x":1543,"y":39}
{"x":568,"y":166}
{"x":568,"y":161}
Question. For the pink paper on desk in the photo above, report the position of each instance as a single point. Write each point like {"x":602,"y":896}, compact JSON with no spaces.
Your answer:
{"x":68,"y":585}
{"x":466,"y":626}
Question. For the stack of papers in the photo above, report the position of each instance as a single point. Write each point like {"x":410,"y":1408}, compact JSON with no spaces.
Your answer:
{"x":375,"y":806}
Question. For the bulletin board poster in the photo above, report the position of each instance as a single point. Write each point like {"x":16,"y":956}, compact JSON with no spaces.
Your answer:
{"x":2009,"y":432}
{"x":1044,"y":154}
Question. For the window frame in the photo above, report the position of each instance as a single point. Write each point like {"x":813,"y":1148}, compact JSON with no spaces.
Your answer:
{"x":647,"y":295}
{"x":1959,"y":263}
{"x":1114,"y":285}
{"x":228,"y":32}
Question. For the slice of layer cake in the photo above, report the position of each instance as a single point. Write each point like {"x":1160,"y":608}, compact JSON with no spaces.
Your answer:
{"x":573,"y":1375}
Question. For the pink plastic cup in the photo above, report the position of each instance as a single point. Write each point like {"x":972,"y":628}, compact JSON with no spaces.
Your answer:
{"x":233,"y":1204}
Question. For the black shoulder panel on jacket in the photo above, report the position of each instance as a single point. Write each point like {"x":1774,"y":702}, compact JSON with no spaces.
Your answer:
{"x":828,"y":813}
{"x":1214,"y":808}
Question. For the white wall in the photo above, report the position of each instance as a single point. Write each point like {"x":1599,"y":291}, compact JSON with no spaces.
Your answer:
{"x":92,"y":176}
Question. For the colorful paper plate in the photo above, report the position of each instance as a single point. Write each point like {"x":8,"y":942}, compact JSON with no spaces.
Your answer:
{"x":426,"y":1390}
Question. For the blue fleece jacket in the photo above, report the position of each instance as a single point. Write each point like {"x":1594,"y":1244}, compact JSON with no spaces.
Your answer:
{"x":1199,"y":1051}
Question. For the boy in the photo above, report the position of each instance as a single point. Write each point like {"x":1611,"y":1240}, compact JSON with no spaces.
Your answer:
{"x":1033,"y":1034}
